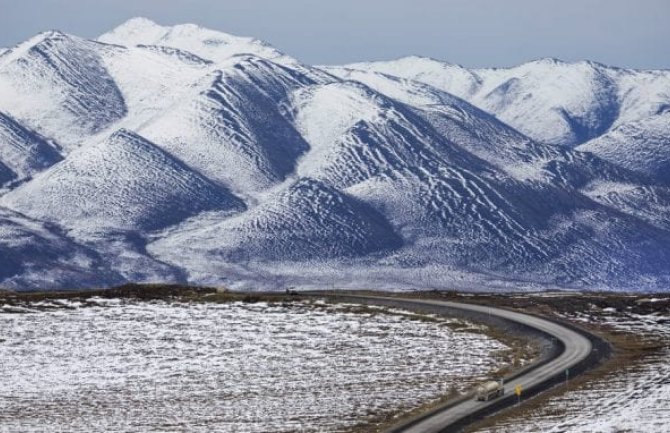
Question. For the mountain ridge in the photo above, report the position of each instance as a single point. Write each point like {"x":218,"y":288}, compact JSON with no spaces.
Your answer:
{"x":550,"y":85}
{"x":184,"y":154}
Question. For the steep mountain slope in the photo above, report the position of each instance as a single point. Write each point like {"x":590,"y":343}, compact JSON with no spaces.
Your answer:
{"x":57,"y":85}
{"x":388,"y":156}
{"x":195,"y":156}
{"x":305,"y":221}
{"x":230,"y":126}
{"x":122,"y":182}
{"x":150,"y":79}
{"x":6,"y":174}
{"x":549,"y":100}
{"x":36,"y":254}
{"x":641,"y":145}
{"x":485,"y":136}
{"x":23,"y":151}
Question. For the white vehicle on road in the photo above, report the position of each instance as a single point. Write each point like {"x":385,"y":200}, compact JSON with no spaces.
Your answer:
{"x":490,"y":390}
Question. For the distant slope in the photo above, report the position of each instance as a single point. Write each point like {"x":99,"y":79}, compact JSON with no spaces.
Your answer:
{"x":549,"y":100}
{"x":641,"y":145}
{"x":35,"y":254}
{"x":23,"y":151}
{"x":58,"y":85}
{"x":552,"y":101}
{"x":122,"y":182}
{"x":447,"y":77}
{"x":209,"y":44}
{"x":188,"y":155}
{"x":230,"y":126}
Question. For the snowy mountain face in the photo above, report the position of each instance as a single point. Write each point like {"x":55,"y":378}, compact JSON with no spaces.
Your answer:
{"x":208,"y":44}
{"x":58,"y":85}
{"x":230,"y":127}
{"x":36,"y":254}
{"x":24,"y":152}
{"x":122,"y":182}
{"x":641,"y":145}
{"x":568,"y":104}
{"x":185,"y":154}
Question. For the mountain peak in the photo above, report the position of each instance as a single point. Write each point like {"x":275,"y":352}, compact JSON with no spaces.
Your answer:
{"x":555,"y":62}
{"x":559,"y":62}
{"x":47,"y":35}
{"x":428,"y":60}
{"x":147,"y":29}
{"x":548,"y":61}
{"x":134,"y":31}
{"x":414,"y":57}
{"x":139,"y":22}
{"x":411,"y":61}
{"x":37,"y":40}
{"x":446,"y":76}
{"x":206,"y":43}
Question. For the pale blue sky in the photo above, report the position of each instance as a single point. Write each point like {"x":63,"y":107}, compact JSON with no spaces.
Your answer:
{"x":629,"y":33}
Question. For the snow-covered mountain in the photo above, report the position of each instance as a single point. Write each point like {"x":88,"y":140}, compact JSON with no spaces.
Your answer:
{"x":208,"y":44}
{"x":549,"y":100}
{"x":122,"y":182}
{"x":642,"y":145}
{"x":58,"y":85}
{"x":35,"y":254}
{"x":24,"y":152}
{"x":184,"y":154}
{"x":230,"y":127}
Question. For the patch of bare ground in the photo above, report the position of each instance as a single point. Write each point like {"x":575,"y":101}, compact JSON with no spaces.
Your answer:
{"x":164,"y":292}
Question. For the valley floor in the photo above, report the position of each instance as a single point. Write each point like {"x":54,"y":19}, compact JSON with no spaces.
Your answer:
{"x":122,"y":365}
{"x":109,"y":361}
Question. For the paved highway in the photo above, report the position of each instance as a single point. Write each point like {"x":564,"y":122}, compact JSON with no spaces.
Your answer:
{"x":577,"y":348}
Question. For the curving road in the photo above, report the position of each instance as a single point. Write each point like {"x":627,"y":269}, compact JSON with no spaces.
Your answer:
{"x":576,"y":349}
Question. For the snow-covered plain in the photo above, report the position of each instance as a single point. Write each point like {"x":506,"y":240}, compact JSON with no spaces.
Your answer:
{"x":633,"y":399}
{"x":123,"y":366}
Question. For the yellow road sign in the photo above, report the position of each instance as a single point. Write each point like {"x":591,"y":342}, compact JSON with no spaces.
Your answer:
{"x":517,"y":390}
